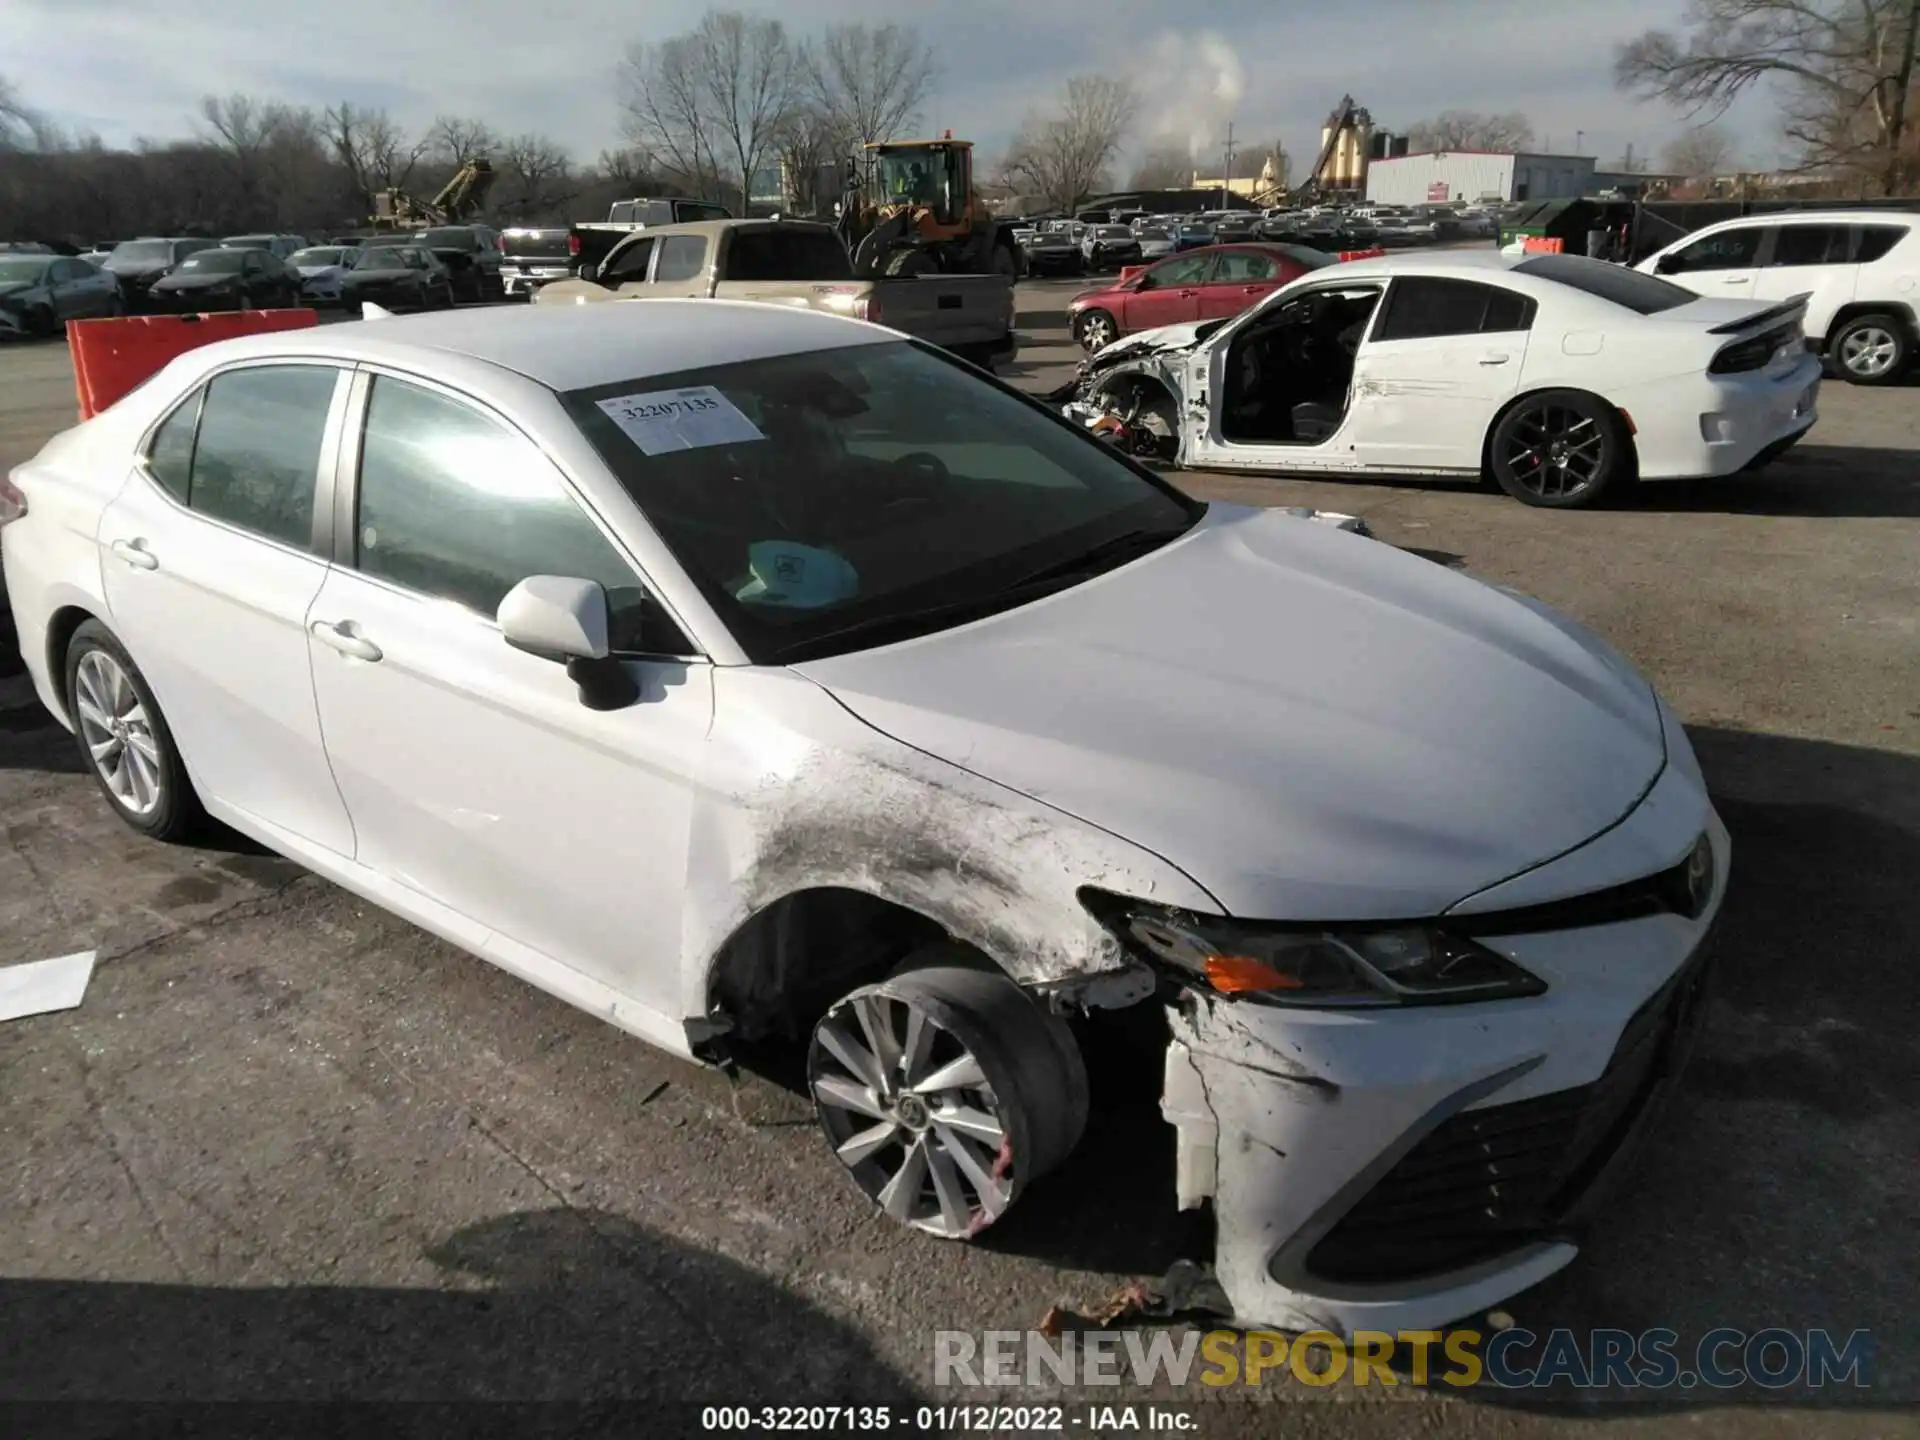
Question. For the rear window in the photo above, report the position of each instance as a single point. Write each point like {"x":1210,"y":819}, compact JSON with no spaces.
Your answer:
{"x":1642,"y":294}
{"x":460,"y":238}
{"x":1876,"y":241}
{"x":787,"y":255}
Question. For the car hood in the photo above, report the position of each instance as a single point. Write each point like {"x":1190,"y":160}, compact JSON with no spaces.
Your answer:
{"x":1312,"y":724}
{"x":17,"y":287}
{"x":1162,"y":340}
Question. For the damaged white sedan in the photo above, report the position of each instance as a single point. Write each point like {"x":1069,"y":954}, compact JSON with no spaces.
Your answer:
{"x":730,"y":670}
{"x":1563,"y":379}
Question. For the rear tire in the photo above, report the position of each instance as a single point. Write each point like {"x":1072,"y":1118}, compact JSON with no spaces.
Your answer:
{"x":1095,"y":328}
{"x":1871,"y":349}
{"x":1560,"y":450}
{"x":124,"y":740}
{"x":945,"y":1090}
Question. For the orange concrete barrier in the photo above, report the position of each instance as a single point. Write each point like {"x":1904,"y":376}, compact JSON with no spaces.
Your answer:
{"x":1372,"y":254}
{"x":1542,"y":245}
{"x":110,"y":357}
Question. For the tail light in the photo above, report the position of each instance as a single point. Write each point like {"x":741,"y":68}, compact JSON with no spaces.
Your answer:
{"x":867,"y":308}
{"x":13,"y":503}
{"x":573,"y":246}
{"x":1745,"y":356}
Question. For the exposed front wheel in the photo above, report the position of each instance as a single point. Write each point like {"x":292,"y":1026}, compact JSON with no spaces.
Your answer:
{"x":1560,"y":449}
{"x":1871,"y":349}
{"x":124,"y":738}
{"x":945,"y":1091}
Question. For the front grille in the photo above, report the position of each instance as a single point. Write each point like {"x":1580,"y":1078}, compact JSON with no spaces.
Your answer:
{"x":1487,"y":1181}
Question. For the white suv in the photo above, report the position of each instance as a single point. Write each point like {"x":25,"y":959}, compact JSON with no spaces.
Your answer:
{"x":1859,"y":268}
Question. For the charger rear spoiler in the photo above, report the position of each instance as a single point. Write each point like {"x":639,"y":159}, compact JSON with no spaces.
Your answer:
{"x":1760,"y":319}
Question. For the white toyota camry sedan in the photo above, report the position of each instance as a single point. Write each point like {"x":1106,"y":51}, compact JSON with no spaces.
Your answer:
{"x":731,"y":671}
{"x":1564,"y":379}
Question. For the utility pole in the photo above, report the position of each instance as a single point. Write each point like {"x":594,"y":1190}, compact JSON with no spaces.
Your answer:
{"x":1578,"y":136}
{"x":1226,"y":176}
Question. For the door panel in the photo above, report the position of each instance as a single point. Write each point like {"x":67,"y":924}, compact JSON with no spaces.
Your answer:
{"x":475,"y":776}
{"x":1171,"y":295}
{"x":1809,"y":259}
{"x":1240,"y":279}
{"x":1427,"y":404}
{"x":216,"y":618}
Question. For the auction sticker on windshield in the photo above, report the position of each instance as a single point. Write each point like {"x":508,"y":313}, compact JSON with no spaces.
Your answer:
{"x":667,"y":420}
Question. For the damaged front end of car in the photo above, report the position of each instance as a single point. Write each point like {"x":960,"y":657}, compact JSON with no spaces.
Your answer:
{"x":1134,"y":393}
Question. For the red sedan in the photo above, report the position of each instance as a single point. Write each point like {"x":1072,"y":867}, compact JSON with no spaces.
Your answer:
{"x":1211,"y":284}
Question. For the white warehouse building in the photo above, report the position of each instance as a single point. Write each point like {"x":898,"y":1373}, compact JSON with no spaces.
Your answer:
{"x":1476,"y":176}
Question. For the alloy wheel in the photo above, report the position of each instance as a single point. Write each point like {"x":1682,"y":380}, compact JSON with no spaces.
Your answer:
{"x":1555,"y":451}
{"x":1096,"y":331}
{"x":118,"y":733}
{"x":911,"y":1113}
{"x":1870,"y":351}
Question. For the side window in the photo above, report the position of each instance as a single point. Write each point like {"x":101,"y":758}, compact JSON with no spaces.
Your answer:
{"x":1245,"y":267}
{"x":1810,"y":245}
{"x":630,"y":265}
{"x":258,"y":449}
{"x":1187,"y":270}
{"x":681,"y":258}
{"x":621,"y":213}
{"x":59,"y":273}
{"x":1729,"y":250}
{"x":455,"y":505}
{"x":170,"y":453}
{"x":1875,"y":241}
{"x":1424,"y":307}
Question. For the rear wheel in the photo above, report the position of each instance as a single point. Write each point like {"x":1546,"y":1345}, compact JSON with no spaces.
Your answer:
{"x":1560,"y":449}
{"x":124,"y":738}
{"x":945,"y":1091}
{"x":1871,"y":349}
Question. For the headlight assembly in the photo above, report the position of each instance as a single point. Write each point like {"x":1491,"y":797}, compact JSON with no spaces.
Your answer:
{"x":1312,"y":966}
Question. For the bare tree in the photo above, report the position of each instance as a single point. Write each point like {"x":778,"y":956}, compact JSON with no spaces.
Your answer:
{"x":713,"y":103}
{"x":264,"y":145}
{"x":868,"y":81}
{"x":1471,"y":130}
{"x":457,"y":139}
{"x":1064,"y":156}
{"x":1846,"y":68}
{"x":1163,"y":165}
{"x":1699,"y":154}
{"x":810,"y":146}
{"x":19,"y":125}
{"x":537,"y":176}
{"x":373,"y":150}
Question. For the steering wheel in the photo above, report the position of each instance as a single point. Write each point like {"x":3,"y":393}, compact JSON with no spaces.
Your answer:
{"x":924,"y":463}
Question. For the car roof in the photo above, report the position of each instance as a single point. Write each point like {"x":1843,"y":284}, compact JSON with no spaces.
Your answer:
{"x":1815,"y":217}
{"x":575,"y":347}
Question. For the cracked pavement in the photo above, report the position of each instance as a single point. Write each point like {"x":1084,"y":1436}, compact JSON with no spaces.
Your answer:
{"x":290,"y":1146}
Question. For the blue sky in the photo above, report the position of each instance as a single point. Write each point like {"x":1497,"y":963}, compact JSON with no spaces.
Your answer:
{"x":128,"y":68}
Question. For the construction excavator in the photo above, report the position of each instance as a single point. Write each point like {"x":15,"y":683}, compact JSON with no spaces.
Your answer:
{"x":459,"y":200}
{"x":918,"y":213}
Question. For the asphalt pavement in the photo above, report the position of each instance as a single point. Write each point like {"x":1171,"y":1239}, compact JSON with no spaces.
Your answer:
{"x":292,"y":1147}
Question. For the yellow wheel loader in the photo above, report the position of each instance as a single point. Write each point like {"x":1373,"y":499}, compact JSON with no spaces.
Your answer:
{"x":919,"y":214}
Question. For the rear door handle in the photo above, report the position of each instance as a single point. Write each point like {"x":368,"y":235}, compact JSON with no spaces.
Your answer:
{"x":1188,"y":294}
{"x":136,"y":554}
{"x":1737,"y":280}
{"x":1255,"y":289}
{"x":1493,"y":358}
{"x":346,"y":638}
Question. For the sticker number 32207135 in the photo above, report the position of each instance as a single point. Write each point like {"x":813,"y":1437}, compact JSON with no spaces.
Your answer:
{"x":692,"y":419}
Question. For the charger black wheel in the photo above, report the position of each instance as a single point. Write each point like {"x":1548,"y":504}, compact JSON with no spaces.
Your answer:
{"x":124,"y":738}
{"x":945,"y":1091}
{"x":1560,"y":449}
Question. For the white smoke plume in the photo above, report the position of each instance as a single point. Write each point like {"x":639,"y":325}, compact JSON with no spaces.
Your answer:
{"x":1190,"y":86}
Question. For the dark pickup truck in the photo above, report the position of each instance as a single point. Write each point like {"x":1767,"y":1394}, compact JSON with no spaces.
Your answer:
{"x":533,"y":256}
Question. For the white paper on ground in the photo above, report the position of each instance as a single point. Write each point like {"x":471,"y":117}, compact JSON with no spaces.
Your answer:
{"x":692,"y":419}
{"x":42,"y":986}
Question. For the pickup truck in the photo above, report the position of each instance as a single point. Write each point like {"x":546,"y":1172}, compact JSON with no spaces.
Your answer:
{"x":589,"y":242}
{"x":532,"y":256}
{"x":797,"y":262}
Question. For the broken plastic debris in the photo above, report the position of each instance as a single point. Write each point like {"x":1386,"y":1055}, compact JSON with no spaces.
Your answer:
{"x":41,"y":987}
{"x":1187,"y":1289}
{"x":1331,"y":517}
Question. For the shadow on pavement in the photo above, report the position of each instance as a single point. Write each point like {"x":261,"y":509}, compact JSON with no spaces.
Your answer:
{"x":1842,"y":481}
{"x":575,"y":1306}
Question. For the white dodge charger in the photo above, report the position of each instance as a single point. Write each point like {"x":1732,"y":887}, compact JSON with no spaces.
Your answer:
{"x":731,"y":670}
{"x":1562,"y":378}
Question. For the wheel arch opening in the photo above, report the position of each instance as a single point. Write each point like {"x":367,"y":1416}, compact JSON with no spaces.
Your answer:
{"x":60,"y":629}
{"x":1629,"y":432}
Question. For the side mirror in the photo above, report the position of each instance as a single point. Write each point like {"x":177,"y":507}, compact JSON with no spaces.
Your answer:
{"x":560,"y":618}
{"x":588,"y":271}
{"x":1666,"y":265}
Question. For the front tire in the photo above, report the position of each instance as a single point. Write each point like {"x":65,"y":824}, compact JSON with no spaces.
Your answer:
{"x":1560,"y":450}
{"x":124,"y":740}
{"x":1871,"y":349}
{"x":945,"y":1090}
{"x":1095,"y":328}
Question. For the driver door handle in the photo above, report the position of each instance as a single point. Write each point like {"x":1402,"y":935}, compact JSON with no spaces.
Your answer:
{"x":1736,"y":280}
{"x":135,"y":553}
{"x":346,"y":638}
{"x":1188,"y":294}
{"x":1493,"y":357}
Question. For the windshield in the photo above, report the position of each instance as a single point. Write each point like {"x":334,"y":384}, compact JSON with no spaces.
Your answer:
{"x":456,"y":239}
{"x":318,"y":255}
{"x":248,"y":242}
{"x":383,"y":257}
{"x":143,"y":250}
{"x":1643,"y":294}
{"x":1114,"y":232}
{"x":1153,"y":232}
{"x":918,"y":176}
{"x":213,"y":262}
{"x":20,"y":269}
{"x":878,"y":488}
